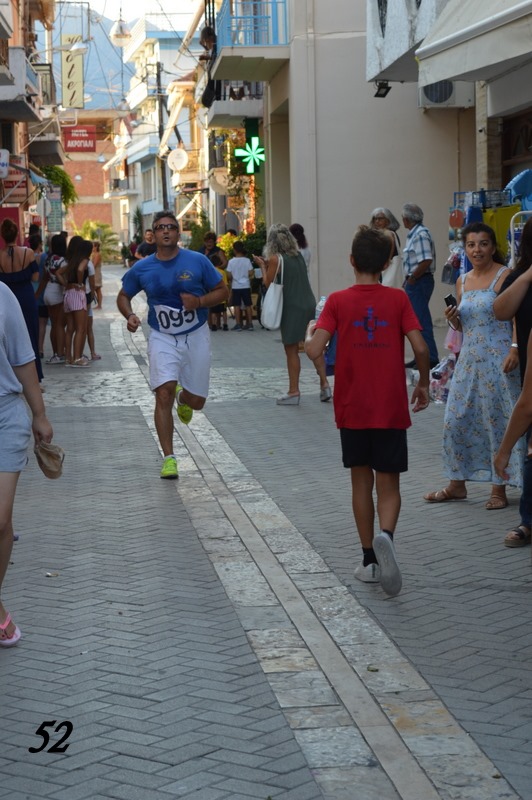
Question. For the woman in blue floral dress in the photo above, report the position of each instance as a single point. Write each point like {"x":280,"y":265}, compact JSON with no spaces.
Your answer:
{"x":485,"y":384}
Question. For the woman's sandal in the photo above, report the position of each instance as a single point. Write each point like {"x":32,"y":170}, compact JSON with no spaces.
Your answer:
{"x":442,"y":496}
{"x":5,"y":640}
{"x":288,"y":400}
{"x":496,"y":502}
{"x":518,"y":537}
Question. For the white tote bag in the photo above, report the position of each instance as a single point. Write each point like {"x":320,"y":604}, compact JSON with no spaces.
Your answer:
{"x":393,"y":274}
{"x":272,"y":305}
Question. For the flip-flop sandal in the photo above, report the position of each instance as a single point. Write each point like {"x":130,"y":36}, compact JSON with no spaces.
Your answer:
{"x":518,"y":537}
{"x":441,"y":496}
{"x":5,"y":640}
{"x":496,"y":502}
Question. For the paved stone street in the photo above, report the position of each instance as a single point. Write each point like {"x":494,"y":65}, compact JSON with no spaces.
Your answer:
{"x":205,"y":638}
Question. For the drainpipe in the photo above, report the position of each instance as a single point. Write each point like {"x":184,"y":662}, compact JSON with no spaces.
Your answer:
{"x":313,"y":161}
{"x":164,"y":183}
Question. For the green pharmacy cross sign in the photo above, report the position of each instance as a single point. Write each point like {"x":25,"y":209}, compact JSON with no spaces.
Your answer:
{"x":252,"y":154}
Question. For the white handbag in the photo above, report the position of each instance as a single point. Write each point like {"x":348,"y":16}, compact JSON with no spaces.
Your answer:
{"x":393,"y":274}
{"x":272,"y":305}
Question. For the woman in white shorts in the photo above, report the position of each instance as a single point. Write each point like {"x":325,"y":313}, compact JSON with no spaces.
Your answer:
{"x":18,"y":376}
{"x":75,"y":273}
{"x":90,"y":292}
{"x":53,"y":297}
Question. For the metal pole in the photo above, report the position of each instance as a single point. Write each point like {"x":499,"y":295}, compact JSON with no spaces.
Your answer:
{"x":164,"y":184}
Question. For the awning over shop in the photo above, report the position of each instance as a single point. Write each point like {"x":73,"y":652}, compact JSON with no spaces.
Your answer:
{"x":476,"y":40}
{"x":38,"y":179}
{"x":46,"y":151}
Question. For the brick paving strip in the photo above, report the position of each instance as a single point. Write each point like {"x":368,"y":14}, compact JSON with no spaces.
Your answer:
{"x":128,"y":632}
{"x":332,"y":663}
{"x":366,"y":722}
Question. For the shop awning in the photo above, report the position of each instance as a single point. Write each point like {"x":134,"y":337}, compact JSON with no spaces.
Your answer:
{"x":45,"y":151}
{"x":476,"y":40}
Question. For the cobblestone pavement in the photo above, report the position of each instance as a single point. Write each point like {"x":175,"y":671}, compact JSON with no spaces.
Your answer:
{"x":205,"y":638}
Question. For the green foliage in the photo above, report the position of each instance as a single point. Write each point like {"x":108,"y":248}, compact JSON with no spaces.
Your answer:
{"x":139,"y":226}
{"x":59,"y":177}
{"x":198,"y":231}
{"x":255,"y":241}
{"x":226,"y":243}
{"x":106,"y":236}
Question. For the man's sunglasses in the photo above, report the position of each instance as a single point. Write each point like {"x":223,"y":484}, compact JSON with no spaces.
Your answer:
{"x":166,"y":226}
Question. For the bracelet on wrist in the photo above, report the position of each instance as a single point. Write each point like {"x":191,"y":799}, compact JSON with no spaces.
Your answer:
{"x":514,"y":344}
{"x":131,"y":315}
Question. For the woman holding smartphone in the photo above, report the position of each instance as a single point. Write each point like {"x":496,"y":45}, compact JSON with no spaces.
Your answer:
{"x":485,"y":384}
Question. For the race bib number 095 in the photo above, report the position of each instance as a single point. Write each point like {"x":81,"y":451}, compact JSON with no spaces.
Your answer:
{"x":175,"y":320}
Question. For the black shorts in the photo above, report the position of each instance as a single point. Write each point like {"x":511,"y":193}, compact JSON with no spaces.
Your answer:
{"x":382,"y":449}
{"x":241,"y":297}
{"x":43,"y":312}
{"x":219,"y":309}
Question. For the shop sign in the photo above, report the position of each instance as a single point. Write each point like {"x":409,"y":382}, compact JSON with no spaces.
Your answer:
{"x":4,"y":163}
{"x":252,"y":154}
{"x":16,"y":183}
{"x":72,"y":84}
{"x":80,"y":139}
{"x":55,"y":215}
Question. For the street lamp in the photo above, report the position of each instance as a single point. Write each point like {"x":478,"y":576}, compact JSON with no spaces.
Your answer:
{"x":120,"y":36}
{"x":382,"y":87}
{"x":119,"y":33}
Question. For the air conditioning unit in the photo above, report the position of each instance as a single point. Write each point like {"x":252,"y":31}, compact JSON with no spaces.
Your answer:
{"x":447,"y":94}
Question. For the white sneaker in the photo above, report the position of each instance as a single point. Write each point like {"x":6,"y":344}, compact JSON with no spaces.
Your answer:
{"x":369,"y":574}
{"x":55,"y":359}
{"x":391,"y":580}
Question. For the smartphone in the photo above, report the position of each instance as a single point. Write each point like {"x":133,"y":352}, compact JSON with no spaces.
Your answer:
{"x":450,"y":300}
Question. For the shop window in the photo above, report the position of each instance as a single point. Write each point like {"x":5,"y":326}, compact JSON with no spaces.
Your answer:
{"x":516,"y":145}
{"x":6,"y":136}
{"x":148,"y":185}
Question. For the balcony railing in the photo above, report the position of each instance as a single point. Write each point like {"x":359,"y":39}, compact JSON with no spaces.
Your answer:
{"x":251,"y":23}
{"x":4,"y":53}
{"x":32,"y":79}
{"x":48,"y":94}
{"x":239,"y":90}
{"x":24,"y":93}
{"x":118,"y":185}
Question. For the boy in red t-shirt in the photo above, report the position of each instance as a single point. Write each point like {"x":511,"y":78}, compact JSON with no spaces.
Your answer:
{"x":370,"y":396}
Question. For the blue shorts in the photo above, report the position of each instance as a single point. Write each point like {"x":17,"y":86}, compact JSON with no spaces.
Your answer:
{"x":382,"y":449}
{"x":15,"y":433}
{"x":241,"y":297}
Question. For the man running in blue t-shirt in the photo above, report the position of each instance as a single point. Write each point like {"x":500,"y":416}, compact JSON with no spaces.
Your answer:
{"x":180,"y":287}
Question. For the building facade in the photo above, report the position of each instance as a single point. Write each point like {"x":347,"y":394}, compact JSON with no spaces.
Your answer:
{"x":159,"y":120}
{"x":29,"y":131}
{"x":335,"y":151}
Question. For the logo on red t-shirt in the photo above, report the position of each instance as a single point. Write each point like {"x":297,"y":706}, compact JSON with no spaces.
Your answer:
{"x":370,"y":323}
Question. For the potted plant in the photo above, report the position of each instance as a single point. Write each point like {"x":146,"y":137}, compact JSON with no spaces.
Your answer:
{"x":125,"y":252}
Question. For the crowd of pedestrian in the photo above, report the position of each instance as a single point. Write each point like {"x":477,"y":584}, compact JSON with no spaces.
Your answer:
{"x":488,"y":419}
{"x":368,"y":324}
{"x":56,"y":286}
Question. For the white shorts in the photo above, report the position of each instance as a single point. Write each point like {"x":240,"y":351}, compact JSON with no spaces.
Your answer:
{"x":53,"y":294}
{"x":185,"y":359}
